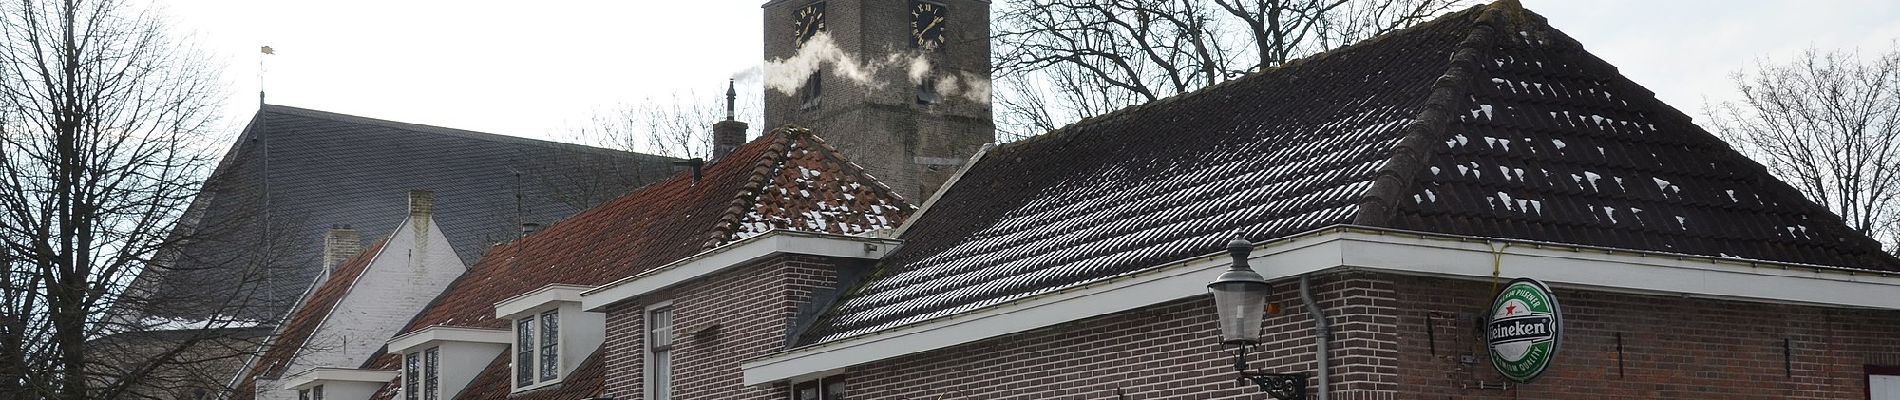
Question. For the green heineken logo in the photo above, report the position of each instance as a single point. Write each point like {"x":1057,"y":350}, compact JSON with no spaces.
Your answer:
{"x":1525,"y":329}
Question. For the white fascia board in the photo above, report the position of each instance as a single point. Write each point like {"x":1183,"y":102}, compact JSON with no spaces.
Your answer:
{"x":436,"y":334}
{"x":1621,"y":270}
{"x":732,"y":255}
{"x":539,"y":299}
{"x":320,"y":375}
{"x":1357,"y":248}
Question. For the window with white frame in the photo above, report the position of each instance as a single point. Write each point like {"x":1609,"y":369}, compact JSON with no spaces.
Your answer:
{"x":420,"y":372}
{"x":660,"y":352}
{"x":313,"y":393}
{"x":538,"y":349}
{"x":827,"y":388}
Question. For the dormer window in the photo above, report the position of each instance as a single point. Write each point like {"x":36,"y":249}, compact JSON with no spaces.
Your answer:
{"x":313,"y":393}
{"x":343,"y":383}
{"x":538,"y":355}
{"x":551,"y":334}
{"x":421,"y":373}
{"x":439,"y":361}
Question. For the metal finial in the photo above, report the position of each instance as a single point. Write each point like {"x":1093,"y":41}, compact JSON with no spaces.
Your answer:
{"x":1239,"y":248}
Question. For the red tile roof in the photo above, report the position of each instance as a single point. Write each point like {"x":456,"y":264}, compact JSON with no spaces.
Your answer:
{"x":787,"y":179}
{"x":290,"y":338}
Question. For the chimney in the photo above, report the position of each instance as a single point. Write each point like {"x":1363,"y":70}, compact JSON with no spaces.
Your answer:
{"x":339,"y":244}
{"x":728,"y":135}
{"x":421,"y":203}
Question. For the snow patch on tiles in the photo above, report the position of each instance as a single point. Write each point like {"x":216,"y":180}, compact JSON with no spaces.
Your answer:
{"x":810,"y":193}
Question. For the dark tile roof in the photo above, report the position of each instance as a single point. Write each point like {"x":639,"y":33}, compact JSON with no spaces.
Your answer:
{"x":787,"y":179}
{"x":1428,"y":128}
{"x":290,"y":336}
{"x":324,"y":169}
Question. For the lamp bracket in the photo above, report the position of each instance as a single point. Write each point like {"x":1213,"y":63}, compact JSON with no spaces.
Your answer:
{"x":1279,"y":386}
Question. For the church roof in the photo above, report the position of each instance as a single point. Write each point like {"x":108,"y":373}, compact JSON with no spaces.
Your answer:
{"x":292,"y":335}
{"x":1485,"y":122}
{"x":787,"y":179}
{"x":295,"y":172}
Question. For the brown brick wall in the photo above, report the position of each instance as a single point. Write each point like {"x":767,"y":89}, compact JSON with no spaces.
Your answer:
{"x":751,"y":305}
{"x":1169,"y":351}
{"x":1673,"y":347}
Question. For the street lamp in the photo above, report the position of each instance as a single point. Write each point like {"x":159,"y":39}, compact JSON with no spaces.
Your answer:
{"x":1240,"y":297}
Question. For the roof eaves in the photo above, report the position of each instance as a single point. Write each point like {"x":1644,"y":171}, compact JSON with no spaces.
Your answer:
{"x":1413,"y":152}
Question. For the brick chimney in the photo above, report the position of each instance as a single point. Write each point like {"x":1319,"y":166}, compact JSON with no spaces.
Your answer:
{"x":728,"y":135}
{"x":339,"y":244}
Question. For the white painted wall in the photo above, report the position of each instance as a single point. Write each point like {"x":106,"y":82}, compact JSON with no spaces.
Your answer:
{"x":411,"y":269}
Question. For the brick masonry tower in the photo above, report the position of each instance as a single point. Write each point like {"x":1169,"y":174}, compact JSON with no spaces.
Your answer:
{"x":912,"y":131}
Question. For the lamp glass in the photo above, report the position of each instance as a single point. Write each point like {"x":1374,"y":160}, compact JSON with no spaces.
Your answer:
{"x":1241,"y":305}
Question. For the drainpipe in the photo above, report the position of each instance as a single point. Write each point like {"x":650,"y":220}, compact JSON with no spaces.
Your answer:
{"x":1321,"y":333}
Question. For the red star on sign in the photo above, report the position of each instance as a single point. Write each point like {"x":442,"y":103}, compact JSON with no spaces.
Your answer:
{"x":1510,"y":309}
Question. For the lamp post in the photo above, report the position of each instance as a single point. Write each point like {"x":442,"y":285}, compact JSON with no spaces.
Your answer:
{"x":1240,"y":298}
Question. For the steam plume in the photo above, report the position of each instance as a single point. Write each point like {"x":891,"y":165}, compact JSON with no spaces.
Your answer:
{"x":786,"y":75}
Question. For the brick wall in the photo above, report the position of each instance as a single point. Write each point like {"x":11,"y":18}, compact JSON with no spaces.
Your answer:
{"x":1672,"y":347}
{"x":752,"y":306}
{"x":1394,"y":337}
{"x":1166,"y":351}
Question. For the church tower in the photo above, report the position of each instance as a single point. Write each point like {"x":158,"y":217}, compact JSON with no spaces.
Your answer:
{"x":910,"y":125}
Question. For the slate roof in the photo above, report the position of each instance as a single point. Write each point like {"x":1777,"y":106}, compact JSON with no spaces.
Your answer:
{"x":1485,"y":122}
{"x":322,"y":169}
{"x":291,"y":336}
{"x":786,"y":179}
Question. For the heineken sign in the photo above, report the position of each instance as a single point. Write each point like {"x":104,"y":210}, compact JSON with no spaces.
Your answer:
{"x":1525,"y":329}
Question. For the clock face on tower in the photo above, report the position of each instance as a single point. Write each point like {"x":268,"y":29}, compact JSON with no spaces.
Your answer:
{"x":926,"y":25}
{"x":808,"y":21}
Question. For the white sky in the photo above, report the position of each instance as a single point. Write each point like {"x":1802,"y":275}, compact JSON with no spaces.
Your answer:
{"x":533,"y":68}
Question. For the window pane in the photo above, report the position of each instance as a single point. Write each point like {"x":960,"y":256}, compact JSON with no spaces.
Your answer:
{"x":834,"y":388}
{"x":431,"y":361}
{"x":1883,"y":387}
{"x":661,"y":332}
{"x":550,"y":345}
{"x":524,"y":352}
{"x":316,"y":392}
{"x":805,"y":391}
{"x":411,"y":370}
{"x":303,"y":394}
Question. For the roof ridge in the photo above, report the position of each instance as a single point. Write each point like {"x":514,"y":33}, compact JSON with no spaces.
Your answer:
{"x":447,"y":131}
{"x":747,"y":195}
{"x":1415,"y":150}
{"x":1135,"y":108}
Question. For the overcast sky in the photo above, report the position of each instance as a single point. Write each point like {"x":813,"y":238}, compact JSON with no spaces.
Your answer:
{"x":532,"y":68}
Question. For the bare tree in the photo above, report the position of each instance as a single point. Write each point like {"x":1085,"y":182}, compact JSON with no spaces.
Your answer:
{"x":1061,"y":60}
{"x":1828,"y":123}
{"x":103,"y":122}
{"x":677,"y":126}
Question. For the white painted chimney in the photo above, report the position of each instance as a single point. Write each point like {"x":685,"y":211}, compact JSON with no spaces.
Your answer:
{"x":339,"y":244}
